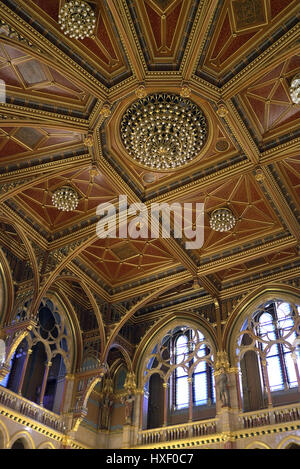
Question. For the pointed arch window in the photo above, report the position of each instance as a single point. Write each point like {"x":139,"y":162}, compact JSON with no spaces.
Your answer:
{"x":277,"y":332}
{"x":190,"y":364}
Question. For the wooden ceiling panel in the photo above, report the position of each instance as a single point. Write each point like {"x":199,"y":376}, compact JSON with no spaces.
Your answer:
{"x":117,"y":261}
{"x":162,"y":29}
{"x":270,"y":101}
{"x":92,"y":191}
{"x":238,"y":30}
{"x":21,"y":142}
{"x":103,"y":51}
{"x":24,"y":74}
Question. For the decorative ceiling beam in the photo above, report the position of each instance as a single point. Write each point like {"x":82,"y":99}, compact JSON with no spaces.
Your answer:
{"x":199,"y":33}
{"x":119,"y":14}
{"x":86,"y":80}
{"x":239,"y":130}
{"x":247,"y":255}
{"x":271,"y":186}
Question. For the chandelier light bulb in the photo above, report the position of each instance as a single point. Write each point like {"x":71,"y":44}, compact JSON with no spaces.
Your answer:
{"x":295,"y":89}
{"x":65,"y":199}
{"x":222,"y":220}
{"x":163,"y":131}
{"x":77,"y":19}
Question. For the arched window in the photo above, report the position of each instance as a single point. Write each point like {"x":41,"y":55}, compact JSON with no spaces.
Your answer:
{"x":268,"y":350}
{"x":39,"y":365}
{"x":275,"y":324}
{"x":178,"y":379}
{"x":200,"y":372}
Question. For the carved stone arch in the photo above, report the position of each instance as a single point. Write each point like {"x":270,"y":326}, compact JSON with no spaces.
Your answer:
{"x":30,"y":252}
{"x":4,"y":436}
{"x":94,"y":305}
{"x":25,"y":437}
{"x":115,"y":368}
{"x":124,"y":353}
{"x":61,"y":300}
{"x":46,"y":445}
{"x":258,"y":445}
{"x":15,"y":344}
{"x":158,"y":331}
{"x":90,"y":389}
{"x":7,"y":287}
{"x":289,"y":440}
{"x":140,"y":304}
{"x":249,"y":304}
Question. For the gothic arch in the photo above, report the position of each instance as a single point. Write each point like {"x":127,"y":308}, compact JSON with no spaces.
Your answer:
{"x":249,"y":303}
{"x":258,"y":445}
{"x":94,"y":305}
{"x":124,"y":353}
{"x":157,"y":333}
{"x":154,"y":294}
{"x":65,"y":306}
{"x":6,"y":289}
{"x":4,"y":436}
{"x":288,"y":441}
{"x":30,"y":252}
{"x":24,"y":437}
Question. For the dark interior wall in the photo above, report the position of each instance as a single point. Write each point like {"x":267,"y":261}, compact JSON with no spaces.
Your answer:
{"x":35,"y":373}
{"x":251,"y":382}
{"x":155,"y":404}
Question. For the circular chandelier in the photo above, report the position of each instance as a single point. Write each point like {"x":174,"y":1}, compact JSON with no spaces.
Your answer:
{"x":163,"y":131}
{"x":222,"y":220}
{"x":77,"y":19}
{"x":295,"y":89}
{"x":65,"y":199}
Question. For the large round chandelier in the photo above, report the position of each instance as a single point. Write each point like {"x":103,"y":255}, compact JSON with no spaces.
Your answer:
{"x":295,"y":89}
{"x":65,"y":199}
{"x":163,"y":131}
{"x":77,"y":19}
{"x":222,"y":220}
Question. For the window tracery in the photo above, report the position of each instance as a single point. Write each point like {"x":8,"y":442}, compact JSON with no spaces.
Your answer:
{"x":183,"y":358}
{"x":272,"y":332}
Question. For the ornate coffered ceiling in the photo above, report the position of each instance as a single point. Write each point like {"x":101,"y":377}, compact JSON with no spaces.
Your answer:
{"x":60,"y":125}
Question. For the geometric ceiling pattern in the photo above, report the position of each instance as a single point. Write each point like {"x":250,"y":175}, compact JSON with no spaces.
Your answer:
{"x":60,"y":125}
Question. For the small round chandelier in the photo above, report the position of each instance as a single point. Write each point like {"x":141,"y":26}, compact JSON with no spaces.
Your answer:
{"x":77,"y":19}
{"x":222,"y":220}
{"x":65,"y":199}
{"x":295,"y":89}
{"x":163,"y":131}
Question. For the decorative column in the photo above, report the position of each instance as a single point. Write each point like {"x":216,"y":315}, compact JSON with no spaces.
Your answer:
{"x":266,"y":380}
{"x":29,"y":352}
{"x":165,"y":386}
{"x":44,"y":382}
{"x":294,"y":357}
{"x":190,"y":381}
{"x":227,"y":399}
{"x":238,"y":388}
{"x":67,"y":393}
{"x":130,"y":401}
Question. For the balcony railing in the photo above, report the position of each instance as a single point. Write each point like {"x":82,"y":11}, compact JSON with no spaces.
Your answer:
{"x":206,"y":430}
{"x":31,"y":410}
{"x":271,"y":416}
{"x":177,"y":432}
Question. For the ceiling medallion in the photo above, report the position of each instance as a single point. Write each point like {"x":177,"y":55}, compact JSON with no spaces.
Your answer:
{"x":65,"y":199}
{"x":164,"y":131}
{"x":222,"y":220}
{"x":295,"y":89}
{"x":77,"y":19}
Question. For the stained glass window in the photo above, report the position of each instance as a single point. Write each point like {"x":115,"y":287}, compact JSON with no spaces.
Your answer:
{"x":276,"y":331}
